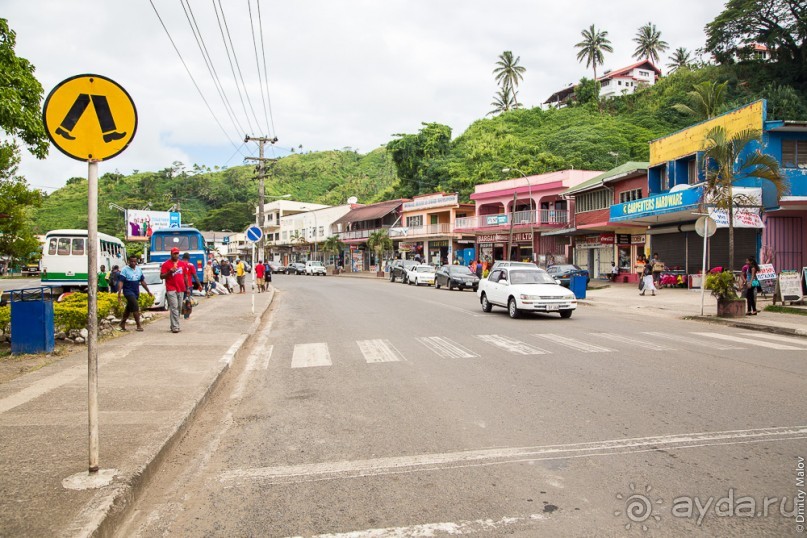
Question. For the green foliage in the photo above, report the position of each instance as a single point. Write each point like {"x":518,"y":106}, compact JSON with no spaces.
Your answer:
{"x":592,"y":46}
{"x":5,"y":318}
{"x":706,"y":100}
{"x":71,"y":312}
{"x":722,"y":285}
{"x":17,"y":240}
{"x":418,"y":159}
{"x":587,"y":92}
{"x":379,"y":242}
{"x":649,"y":43}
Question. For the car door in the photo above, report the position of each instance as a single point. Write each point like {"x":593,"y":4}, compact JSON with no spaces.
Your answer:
{"x":495,"y":288}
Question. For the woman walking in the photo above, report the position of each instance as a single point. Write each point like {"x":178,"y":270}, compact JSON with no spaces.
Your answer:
{"x":751,"y":285}
{"x":647,"y":280}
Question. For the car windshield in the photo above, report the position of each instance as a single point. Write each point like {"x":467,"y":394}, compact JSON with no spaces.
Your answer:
{"x":318,"y":264}
{"x":460,"y":270}
{"x":424,"y":269}
{"x":152,"y":277}
{"x":565,"y":268}
{"x":530,"y":277}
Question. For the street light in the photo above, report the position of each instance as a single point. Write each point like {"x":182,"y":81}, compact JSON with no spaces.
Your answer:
{"x":512,"y":213}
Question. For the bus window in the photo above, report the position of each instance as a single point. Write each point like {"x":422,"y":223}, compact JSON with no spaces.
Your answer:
{"x":78,"y":246}
{"x":52,"y":246}
{"x":64,"y":246}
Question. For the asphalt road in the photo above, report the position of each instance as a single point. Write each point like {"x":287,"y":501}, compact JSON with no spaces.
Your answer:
{"x":17,"y":283}
{"x":366,"y":405}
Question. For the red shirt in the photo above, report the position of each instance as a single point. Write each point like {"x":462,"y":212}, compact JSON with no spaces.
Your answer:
{"x":175,"y":282}
{"x":191,"y":270}
{"x":259,"y":270}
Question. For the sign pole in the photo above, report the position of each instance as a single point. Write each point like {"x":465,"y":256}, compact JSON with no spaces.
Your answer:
{"x":92,"y":311}
{"x":253,"y":277}
{"x":703,"y":268}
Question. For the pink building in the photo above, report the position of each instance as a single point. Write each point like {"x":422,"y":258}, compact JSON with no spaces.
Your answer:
{"x":517,"y":211}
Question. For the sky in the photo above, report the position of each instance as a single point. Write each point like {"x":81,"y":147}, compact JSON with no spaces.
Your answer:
{"x":347,"y":73}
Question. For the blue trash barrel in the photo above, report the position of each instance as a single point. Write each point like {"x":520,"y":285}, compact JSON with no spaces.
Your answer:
{"x":32,"y":321}
{"x":577,"y":284}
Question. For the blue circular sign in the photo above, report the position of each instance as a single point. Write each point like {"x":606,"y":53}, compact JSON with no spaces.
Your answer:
{"x":253,"y":234}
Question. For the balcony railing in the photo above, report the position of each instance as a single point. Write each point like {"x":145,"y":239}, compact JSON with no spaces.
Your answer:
{"x":429,"y":229}
{"x":535,"y":218}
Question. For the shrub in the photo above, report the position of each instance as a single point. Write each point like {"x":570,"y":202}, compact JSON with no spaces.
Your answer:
{"x":5,"y":318}
{"x":722,"y":285}
{"x":69,"y":316}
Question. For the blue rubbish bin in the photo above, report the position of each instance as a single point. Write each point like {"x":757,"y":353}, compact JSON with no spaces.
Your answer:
{"x":577,"y":284}
{"x":32,"y":320}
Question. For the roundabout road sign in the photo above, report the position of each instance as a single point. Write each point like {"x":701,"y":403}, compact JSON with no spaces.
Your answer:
{"x":705,"y":226}
{"x":253,"y":234}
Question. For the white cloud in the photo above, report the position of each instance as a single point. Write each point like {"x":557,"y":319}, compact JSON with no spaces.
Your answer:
{"x":348,"y":73}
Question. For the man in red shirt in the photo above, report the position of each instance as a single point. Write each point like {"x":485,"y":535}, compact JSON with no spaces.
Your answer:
{"x":174,"y":272}
{"x":259,"y":272}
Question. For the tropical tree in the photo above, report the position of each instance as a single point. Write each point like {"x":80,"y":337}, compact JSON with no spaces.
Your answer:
{"x":649,"y":43}
{"x":379,"y":242}
{"x":706,"y":100}
{"x":508,"y":73}
{"x":592,"y":46}
{"x":728,"y":160}
{"x":333,"y":245}
{"x":503,"y":101}
{"x":680,"y":59}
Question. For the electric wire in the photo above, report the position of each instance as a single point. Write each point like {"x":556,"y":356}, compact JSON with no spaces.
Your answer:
{"x":198,"y":89}
{"x":197,"y":34}
{"x":238,"y":65}
{"x":258,"y":66}
{"x":265,"y":73}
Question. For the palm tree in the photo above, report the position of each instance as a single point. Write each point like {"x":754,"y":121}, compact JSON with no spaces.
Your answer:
{"x":508,"y":72}
{"x":649,"y":43}
{"x":680,"y":59}
{"x":503,"y":101}
{"x":379,"y":242}
{"x":706,"y":98}
{"x":333,"y":245}
{"x":592,"y":47}
{"x":723,"y":167}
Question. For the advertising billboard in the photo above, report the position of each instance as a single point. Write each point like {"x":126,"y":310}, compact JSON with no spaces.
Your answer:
{"x":140,"y":224}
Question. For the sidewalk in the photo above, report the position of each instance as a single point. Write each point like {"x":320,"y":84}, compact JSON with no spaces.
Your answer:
{"x":150,"y":386}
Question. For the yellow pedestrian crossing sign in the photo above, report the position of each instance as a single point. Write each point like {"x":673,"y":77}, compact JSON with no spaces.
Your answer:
{"x":90,"y":117}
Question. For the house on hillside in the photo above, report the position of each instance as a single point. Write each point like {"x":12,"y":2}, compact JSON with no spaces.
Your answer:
{"x":614,"y":83}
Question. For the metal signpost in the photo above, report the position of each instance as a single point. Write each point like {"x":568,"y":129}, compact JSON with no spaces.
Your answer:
{"x":705,"y":227}
{"x":254,"y":235}
{"x":91,"y":118}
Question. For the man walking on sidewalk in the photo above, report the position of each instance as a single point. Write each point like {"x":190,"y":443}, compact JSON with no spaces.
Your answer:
{"x":129,"y":282}
{"x":172,"y":271}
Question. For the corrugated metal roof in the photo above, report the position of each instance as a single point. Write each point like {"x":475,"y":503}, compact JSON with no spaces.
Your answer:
{"x":370,"y":212}
{"x":623,"y":170}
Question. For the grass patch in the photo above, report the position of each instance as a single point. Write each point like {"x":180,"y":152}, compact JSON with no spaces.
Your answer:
{"x":786,"y":310}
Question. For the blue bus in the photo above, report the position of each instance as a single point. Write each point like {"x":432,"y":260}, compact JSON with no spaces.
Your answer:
{"x":185,"y":239}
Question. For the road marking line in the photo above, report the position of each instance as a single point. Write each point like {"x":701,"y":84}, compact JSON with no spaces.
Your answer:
{"x":310,"y":472}
{"x":437,"y":529}
{"x":749,"y":341}
{"x":228,"y":357}
{"x":309,"y":355}
{"x":574,"y":344}
{"x":794,"y":340}
{"x":266,"y":357}
{"x":511,"y":345}
{"x":634,"y":342}
{"x":379,"y":351}
{"x":702,"y":343}
{"x":446,"y":348}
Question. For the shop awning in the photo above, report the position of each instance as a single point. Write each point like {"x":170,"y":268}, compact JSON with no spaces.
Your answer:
{"x":369,"y":212}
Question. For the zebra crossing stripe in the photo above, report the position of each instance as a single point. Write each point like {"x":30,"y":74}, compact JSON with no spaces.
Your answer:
{"x":379,"y":351}
{"x":511,"y":345}
{"x":574,"y":344}
{"x":796,"y":341}
{"x":749,"y":341}
{"x":634,"y":342}
{"x":309,"y":355}
{"x":701,"y":343}
{"x":445,"y":348}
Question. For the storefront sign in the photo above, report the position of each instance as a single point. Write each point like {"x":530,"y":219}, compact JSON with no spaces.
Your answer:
{"x":435,"y":244}
{"x":493,"y":238}
{"x":607,"y":239}
{"x":404,"y":247}
{"x":656,"y":205}
{"x":431,"y":201}
{"x":767,"y":277}
{"x":788,"y":286}
{"x":522,"y":237}
{"x":623,"y":239}
{"x":493,"y":220}
{"x":743,"y":218}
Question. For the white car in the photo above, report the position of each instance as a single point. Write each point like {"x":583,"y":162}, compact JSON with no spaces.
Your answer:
{"x":314,"y":268}
{"x":420,"y":274}
{"x":525,"y":289}
{"x":151,"y":272}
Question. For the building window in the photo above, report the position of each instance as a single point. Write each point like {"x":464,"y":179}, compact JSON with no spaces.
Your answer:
{"x":619,"y":82}
{"x":794,"y":153}
{"x":644,"y":73}
{"x":629,"y":196}
{"x":592,"y":201}
{"x":414,"y":221}
{"x":605,"y":83}
{"x":692,"y":172}
{"x":664,"y":179}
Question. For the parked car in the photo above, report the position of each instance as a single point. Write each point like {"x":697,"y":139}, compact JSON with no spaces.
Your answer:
{"x":276,"y":267}
{"x":510,"y":263}
{"x":525,"y":289}
{"x":563,"y":273}
{"x":420,"y":274}
{"x":151,"y":272}
{"x":456,"y":276}
{"x":314,"y":268}
{"x":295,"y":268}
{"x":398,"y":269}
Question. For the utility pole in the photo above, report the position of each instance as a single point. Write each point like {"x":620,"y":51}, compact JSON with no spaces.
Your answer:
{"x":262,"y":141}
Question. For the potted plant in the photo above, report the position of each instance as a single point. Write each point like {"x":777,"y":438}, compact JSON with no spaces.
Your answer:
{"x":379,"y":241}
{"x":723,"y":287}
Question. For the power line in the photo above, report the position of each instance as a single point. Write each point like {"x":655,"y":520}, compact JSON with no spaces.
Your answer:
{"x":265,"y":73}
{"x":237,"y":65}
{"x":258,"y":64}
{"x":200,"y":42}
{"x":191,"y":77}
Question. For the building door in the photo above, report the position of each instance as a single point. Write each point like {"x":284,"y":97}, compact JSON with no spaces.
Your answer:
{"x":782,"y":243}
{"x":592,"y":263}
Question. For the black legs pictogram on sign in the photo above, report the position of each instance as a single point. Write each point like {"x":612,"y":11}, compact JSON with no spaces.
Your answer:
{"x":102,"y":112}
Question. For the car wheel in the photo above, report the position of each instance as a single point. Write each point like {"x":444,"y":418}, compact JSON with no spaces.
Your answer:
{"x":391,"y":276}
{"x":486,"y":306}
{"x":566,"y":314}
{"x":512,"y":308}
{"x":475,"y":288}
{"x":436,"y":285}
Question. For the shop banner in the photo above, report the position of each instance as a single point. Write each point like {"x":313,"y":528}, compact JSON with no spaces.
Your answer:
{"x":493,"y":220}
{"x":607,"y":238}
{"x":141,"y":224}
{"x":425,"y":202}
{"x":767,"y":277}
{"x":658,"y":204}
{"x":788,"y":286}
{"x":743,"y":217}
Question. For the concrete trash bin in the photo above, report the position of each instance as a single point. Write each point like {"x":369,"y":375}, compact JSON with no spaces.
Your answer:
{"x":577,"y":284}
{"x":32,"y":321}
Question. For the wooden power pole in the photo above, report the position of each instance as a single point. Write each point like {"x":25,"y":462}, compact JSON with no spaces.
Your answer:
{"x":262,"y":141}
